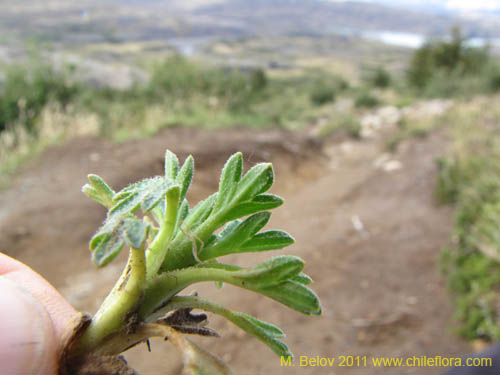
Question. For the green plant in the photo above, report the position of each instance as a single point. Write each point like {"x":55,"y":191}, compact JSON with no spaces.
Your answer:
{"x":366,"y":100}
{"x":173,"y":246}
{"x":322,"y":94}
{"x":449,"y":67}
{"x":27,"y":89}
{"x":469,"y":179}
{"x":380,"y":78}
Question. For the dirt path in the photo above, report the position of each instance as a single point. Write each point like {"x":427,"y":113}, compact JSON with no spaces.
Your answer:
{"x":366,"y":225}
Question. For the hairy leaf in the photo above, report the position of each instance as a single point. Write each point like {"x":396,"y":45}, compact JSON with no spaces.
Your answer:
{"x":296,"y":296}
{"x":113,"y":235}
{"x":272,"y":271}
{"x":229,"y":178}
{"x":267,"y":240}
{"x":261,"y":202}
{"x":233,"y":236}
{"x":256,"y":181}
{"x":185,"y":176}
{"x":144,"y":194}
{"x":171,"y":165}
{"x":302,"y":278}
{"x":98,"y":190}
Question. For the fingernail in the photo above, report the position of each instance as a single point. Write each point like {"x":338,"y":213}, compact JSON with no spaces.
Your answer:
{"x":27,"y":338}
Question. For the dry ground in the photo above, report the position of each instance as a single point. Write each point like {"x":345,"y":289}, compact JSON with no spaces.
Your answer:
{"x":370,"y":238}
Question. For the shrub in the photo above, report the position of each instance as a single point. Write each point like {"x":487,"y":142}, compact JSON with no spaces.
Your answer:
{"x":366,"y":100}
{"x":322,"y":94}
{"x":447,"y":63}
{"x":27,"y":89}
{"x":258,"y":80}
{"x":380,"y":78}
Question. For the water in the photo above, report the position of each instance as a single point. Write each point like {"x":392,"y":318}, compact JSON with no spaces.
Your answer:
{"x":396,"y":38}
{"x":411,"y":40}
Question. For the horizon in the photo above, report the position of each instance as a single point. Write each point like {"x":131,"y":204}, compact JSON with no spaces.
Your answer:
{"x":445,"y":5}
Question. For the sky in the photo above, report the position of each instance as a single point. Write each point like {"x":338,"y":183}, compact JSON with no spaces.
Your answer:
{"x":453,"y":5}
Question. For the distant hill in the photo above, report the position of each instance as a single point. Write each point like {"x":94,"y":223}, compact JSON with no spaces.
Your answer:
{"x":126,"y":20}
{"x":314,"y":16}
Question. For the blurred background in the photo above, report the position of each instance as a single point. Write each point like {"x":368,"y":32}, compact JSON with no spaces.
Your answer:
{"x":382,"y":120}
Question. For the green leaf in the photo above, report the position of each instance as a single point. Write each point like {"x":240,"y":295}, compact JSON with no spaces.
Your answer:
{"x":271,"y":272}
{"x":105,"y":248}
{"x":99,"y":190}
{"x":113,"y":235}
{"x":183,"y":211}
{"x":261,"y":202}
{"x":265,"y":332}
{"x":200,"y":212}
{"x":234,"y":235}
{"x":228,"y":228}
{"x":294,"y":295}
{"x":93,"y":194}
{"x":229,"y":178}
{"x":267,"y":240}
{"x":302,"y":278}
{"x":135,"y":232}
{"x":185,"y":175}
{"x":145,"y":194}
{"x":171,"y":165}
{"x":270,"y":278}
{"x":269,"y":329}
{"x":256,"y":181}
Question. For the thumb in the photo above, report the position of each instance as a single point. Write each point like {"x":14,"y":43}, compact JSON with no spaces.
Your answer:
{"x":27,"y":340}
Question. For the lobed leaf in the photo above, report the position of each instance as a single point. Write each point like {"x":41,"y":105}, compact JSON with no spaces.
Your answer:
{"x":114,"y":234}
{"x":267,"y":240}
{"x":145,"y":194}
{"x":302,"y":278}
{"x":185,"y":175}
{"x":294,"y":295}
{"x":200,"y":212}
{"x":265,"y":332}
{"x":183,"y":212}
{"x":229,"y":178}
{"x":234,"y":235}
{"x":135,"y":232}
{"x":261,"y":202}
{"x":171,"y":165}
{"x":271,"y":272}
{"x":256,"y":181}
{"x":98,"y":190}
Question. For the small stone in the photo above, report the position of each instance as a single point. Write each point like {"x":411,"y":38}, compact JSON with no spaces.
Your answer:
{"x":95,"y":157}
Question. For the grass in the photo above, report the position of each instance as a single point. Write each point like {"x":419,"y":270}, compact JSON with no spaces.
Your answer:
{"x":180,"y":91}
{"x":344,"y":122}
{"x":469,"y":179}
{"x":54,"y":125}
{"x":418,"y":127}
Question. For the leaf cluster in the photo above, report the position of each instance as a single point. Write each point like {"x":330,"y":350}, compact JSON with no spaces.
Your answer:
{"x":181,"y":245}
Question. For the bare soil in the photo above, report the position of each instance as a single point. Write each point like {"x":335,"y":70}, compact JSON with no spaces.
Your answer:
{"x":371,"y":238}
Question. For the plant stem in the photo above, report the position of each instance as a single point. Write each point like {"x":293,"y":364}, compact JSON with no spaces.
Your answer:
{"x":159,"y":248}
{"x":122,"y":340}
{"x":167,"y":285}
{"x":181,"y":254}
{"x":182,"y":302}
{"x":119,"y":305}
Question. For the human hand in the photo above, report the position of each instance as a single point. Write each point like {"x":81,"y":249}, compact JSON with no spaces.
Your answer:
{"x":33,"y":317}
